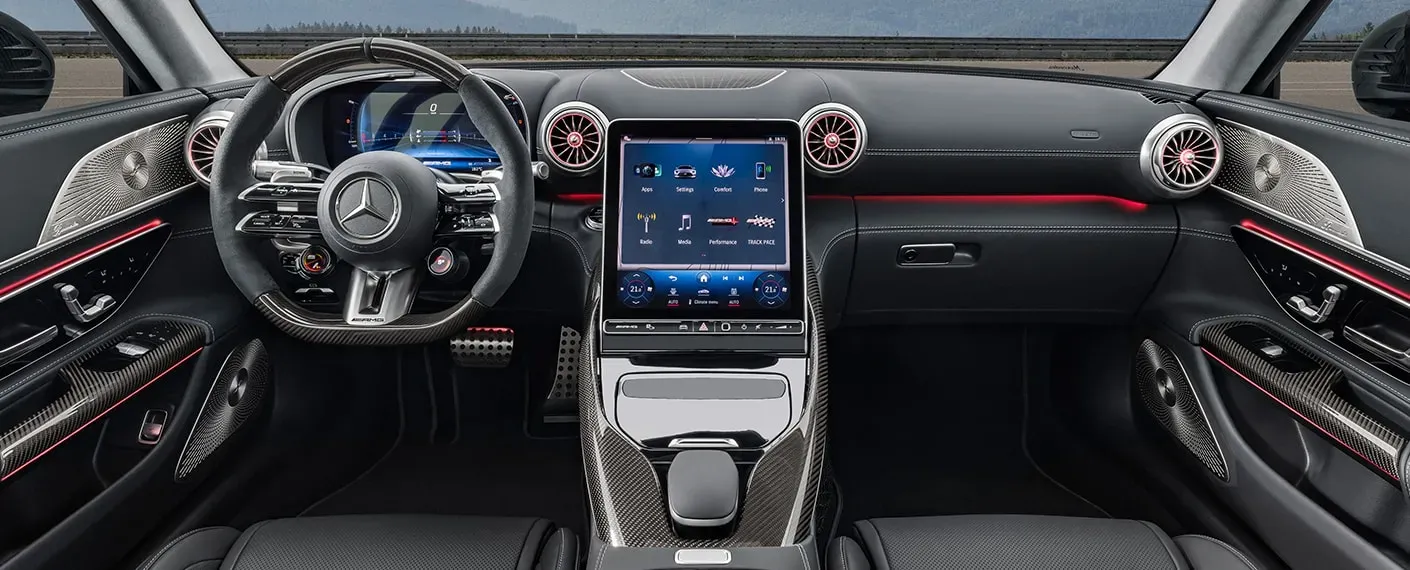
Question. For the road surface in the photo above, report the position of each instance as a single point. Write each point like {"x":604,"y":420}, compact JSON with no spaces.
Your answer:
{"x":1319,"y":84}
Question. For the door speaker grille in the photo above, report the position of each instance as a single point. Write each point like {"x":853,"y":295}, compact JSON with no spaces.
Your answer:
{"x":1168,"y":395}
{"x":234,"y":399}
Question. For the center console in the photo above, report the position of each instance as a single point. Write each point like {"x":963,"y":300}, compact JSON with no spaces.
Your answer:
{"x":703,"y":375}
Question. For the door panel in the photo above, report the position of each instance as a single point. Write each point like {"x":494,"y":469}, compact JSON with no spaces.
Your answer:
{"x":94,"y":421}
{"x":1312,"y":423}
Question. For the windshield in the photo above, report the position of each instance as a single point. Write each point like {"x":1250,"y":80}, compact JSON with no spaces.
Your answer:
{"x":943,"y":18}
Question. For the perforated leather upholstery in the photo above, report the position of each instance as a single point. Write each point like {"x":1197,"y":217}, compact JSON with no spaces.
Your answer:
{"x":1022,"y":542}
{"x":375,"y":542}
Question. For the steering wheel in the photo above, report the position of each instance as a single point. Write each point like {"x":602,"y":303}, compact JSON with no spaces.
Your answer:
{"x":379,"y":211}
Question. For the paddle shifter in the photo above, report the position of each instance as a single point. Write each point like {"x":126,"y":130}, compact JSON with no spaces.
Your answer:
{"x":702,"y":491}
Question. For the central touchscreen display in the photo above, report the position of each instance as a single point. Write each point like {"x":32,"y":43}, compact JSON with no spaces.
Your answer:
{"x":707,"y":220}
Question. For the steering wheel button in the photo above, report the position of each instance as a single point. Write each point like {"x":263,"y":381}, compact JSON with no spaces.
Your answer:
{"x":442,"y":261}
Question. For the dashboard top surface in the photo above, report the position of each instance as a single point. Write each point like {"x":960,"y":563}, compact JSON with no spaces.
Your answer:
{"x":928,"y":130}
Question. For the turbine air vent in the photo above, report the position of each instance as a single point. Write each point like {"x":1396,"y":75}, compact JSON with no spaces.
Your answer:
{"x":1181,"y":155}
{"x":833,"y":138}
{"x":200,"y":148}
{"x":573,"y":137}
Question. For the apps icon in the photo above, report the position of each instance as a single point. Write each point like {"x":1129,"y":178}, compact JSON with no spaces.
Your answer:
{"x":722,"y":171}
{"x":685,"y":171}
{"x":647,"y":170}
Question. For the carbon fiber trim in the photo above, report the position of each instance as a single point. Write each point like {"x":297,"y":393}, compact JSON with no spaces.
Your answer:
{"x":248,"y":369}
{"x":1282,"y":180}
{"x":1310,"y":396}
{"x":92,"y":394}
{"x":625,"y":494}
{"x":122,"y":175}
{"x":1166,"y":390}
{"x":324,"y":328}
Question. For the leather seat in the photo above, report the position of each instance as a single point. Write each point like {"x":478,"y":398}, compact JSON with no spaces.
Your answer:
{"x":375,"y":542}
{"x":1021,"y":542}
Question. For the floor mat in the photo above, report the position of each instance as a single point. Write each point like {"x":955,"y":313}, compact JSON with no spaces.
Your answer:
{"x":931,"y":422}
{"x":488,"y":466}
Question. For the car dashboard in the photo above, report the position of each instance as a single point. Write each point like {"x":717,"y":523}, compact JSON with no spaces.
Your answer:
{"x":931,"y":194}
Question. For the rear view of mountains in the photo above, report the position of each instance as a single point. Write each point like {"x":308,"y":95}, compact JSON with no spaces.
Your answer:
{"x":946,"y":18}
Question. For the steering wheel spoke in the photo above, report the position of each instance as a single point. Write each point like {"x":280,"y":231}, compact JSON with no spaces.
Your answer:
{"x":377,"y":298}
{"x":287,"y":209}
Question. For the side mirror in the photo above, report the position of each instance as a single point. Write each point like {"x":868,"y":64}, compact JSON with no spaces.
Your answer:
{"x":1380,"y":72}
{"x":26,"y":68}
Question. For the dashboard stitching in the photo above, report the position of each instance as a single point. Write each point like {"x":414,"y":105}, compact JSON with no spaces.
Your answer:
{"x":1192,"y":232}
{"x":102,"y":114}
{"x":1313,"y":347}
{"x":576,"y":244}
{"x":1302,"y":118}
{"x":61,"y":358}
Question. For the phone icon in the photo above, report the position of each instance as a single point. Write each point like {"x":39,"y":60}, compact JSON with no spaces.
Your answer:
{"x":761,"y":170}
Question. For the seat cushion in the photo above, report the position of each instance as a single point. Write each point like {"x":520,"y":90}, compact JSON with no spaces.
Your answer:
{"x":375,"y":542}
{"x":1018,"y":542}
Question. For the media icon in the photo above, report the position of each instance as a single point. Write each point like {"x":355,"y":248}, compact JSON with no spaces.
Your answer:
{"x":685,"y":223}
{"x":722,"y":171}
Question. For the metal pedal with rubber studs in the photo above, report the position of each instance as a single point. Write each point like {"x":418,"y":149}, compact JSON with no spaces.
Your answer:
{"x":483,"y":347}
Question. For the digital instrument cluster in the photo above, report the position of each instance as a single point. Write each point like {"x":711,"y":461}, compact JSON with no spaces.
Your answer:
{"x":707,"y":220}
{"x":423,"y":119}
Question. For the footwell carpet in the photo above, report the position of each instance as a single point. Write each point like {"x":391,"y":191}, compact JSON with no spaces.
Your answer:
{"x":483,"y":462}
{"x":931,"y":422}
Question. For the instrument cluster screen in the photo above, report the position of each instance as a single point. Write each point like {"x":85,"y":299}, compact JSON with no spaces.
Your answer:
{"x":706,"y":226}
{"x":421,"y":119}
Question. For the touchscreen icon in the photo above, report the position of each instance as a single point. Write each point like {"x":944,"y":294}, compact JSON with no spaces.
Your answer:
{"x":685,"y":171}
{"x":761,"y":221}
{"x":646,"y":220}
{"x":762,"y":170}
{"x":647,"y":170}
{"x":685,"y":223}
{"x":722,"y":171}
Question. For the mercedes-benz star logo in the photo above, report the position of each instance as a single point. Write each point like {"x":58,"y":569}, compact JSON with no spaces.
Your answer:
{"x":367,"y":208}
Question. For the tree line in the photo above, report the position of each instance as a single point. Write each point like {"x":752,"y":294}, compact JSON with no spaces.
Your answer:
{"x":365,"y":29}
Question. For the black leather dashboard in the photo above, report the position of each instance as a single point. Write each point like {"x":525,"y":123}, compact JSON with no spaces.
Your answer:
{"x":929,"y":134}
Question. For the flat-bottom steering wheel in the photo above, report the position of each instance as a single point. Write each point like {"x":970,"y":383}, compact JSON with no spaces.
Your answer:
{"x":379,"y":210}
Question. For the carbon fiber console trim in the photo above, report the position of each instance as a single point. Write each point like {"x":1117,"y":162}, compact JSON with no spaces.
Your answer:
{"x":1310,"y":396}
{"x":325,"y":328}
{"x":1280,"y":179}
{"x":123,"y":175}
{"x":625,"y":494}
{"x":235,"y":397}
{"x":92,"y":394}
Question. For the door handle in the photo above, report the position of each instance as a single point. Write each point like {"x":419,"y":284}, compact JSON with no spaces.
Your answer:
{"x":28,"y":345}
{"x":101,"y":304}
{"x":1392,"y":353}
{"x":1318,"y":314}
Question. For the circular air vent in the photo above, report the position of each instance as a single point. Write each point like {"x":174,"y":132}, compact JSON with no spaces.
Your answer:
{"x":1181,"y":155}
{"x":200,"y":147}
{"x":833,"y":138}
{"x":573,"y":137}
